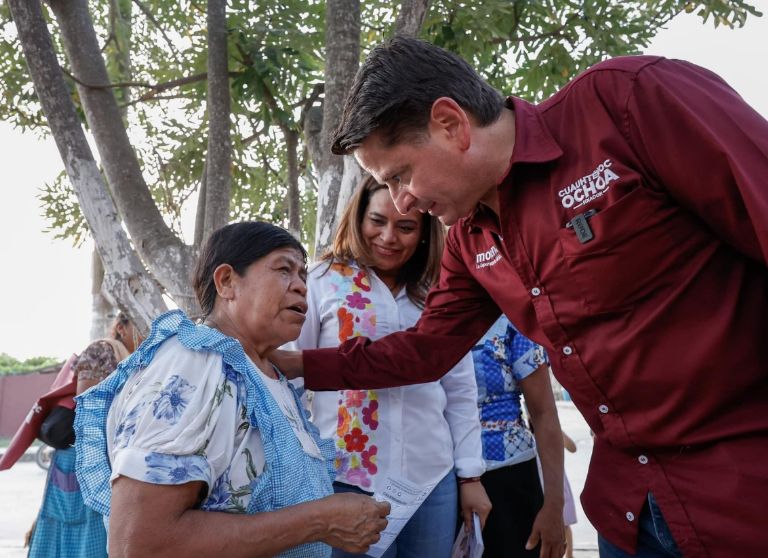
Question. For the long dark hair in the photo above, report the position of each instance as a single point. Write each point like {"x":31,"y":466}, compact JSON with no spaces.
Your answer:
{"x":419,"y":272}
{"x":239,"y":245}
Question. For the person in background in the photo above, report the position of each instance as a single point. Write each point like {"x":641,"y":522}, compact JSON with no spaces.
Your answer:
{"x":65,"y":526}
{"x":508,"y":366}
{"x":371,"y":282}
{"x":197,"y":445}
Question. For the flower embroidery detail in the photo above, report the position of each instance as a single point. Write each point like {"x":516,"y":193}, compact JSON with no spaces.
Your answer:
{"x":369,"y":459}
{"x":346,"y":324}
{"x":354,"y":397}
{"x":371,"y":415}
{"x":342,"y":427}
{"x":173,"y":399}
{"x":361,"y":280}
{"x":342,"y":269}
{"x":358,"y":477}
{"x":357,"y":301}
{"x":368,"y":323}
{"x":341,"y":462}
{"x":355,"y":440}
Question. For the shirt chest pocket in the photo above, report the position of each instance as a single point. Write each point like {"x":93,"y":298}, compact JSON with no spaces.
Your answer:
{"x":629,"y":254}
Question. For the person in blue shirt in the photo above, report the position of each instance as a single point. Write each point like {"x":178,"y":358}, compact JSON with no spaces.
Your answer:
{"x":508,"y":365}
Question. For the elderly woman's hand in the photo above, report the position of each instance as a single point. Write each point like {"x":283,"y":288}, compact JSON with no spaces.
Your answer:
{"x":354,"y":521}
{"x":163,"y":521}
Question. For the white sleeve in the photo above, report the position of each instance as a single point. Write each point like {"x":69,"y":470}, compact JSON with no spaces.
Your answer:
{"x":174,"y":421}
{"x":309,"y":338}
{"x":463,"y":418}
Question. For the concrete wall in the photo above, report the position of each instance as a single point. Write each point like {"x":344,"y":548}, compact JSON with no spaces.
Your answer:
{"x":17,"y":395}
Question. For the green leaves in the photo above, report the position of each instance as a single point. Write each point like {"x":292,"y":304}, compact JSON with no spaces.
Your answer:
{"x":10,"y":365}
{"x":532,"y":48}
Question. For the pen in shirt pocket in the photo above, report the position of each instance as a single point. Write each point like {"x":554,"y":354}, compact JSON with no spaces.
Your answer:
{"x":580,"y":225}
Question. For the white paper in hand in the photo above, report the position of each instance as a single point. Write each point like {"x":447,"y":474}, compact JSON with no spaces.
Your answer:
{"x":404,"y":497}
{"x":469,"y":545}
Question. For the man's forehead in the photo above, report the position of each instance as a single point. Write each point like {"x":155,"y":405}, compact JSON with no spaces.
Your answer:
{"x":377,"y":158}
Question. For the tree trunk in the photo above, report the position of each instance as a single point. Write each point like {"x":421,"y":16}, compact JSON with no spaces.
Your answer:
{"x":166,"y":256}
{"x":118,"y":55}
{"x":294,"y":203}
{"x":126,"y":278}
{"x":218,"y":185}
{"x":200,"y":210}
{"x":339,"y":176}
{"x":411,"y":16}
{"x":102,"y":311}
{"x":342,"y":53}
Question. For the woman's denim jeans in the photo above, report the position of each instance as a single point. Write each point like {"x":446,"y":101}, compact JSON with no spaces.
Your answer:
{"x":432,"y":529}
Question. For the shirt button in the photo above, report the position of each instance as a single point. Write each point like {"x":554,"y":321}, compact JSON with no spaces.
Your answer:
{"x":630,"y":516}
{"x":567,"y":350}
{"x":535,"y":291}
{"x":603,"y":409}
{"x":643,"y":460}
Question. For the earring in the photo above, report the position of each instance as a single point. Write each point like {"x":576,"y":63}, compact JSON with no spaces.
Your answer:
{"x":135,"y":337}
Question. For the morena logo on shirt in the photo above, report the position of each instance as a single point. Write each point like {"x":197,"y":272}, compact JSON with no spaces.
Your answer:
{"x":488,"y":258}
{"x":589,"y":187}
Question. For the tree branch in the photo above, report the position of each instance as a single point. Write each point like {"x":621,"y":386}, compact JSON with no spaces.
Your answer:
{"x":153,"y":21}
{"x":307,"y":104}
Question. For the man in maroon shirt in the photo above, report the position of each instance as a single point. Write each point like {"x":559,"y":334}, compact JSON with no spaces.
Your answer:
{"x":623,"y":225}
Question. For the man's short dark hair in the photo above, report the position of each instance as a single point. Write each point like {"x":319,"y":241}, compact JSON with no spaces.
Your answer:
{"x":395,"y":88}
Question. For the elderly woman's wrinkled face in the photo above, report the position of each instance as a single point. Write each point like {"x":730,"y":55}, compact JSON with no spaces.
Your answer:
{"x":270,"y":298}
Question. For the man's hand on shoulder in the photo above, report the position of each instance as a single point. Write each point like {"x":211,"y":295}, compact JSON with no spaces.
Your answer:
{"x":288,"y":362}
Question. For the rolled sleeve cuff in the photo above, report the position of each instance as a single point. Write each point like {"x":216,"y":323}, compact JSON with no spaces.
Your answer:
{"x":160,"y":468}
{"x":467,"y":467}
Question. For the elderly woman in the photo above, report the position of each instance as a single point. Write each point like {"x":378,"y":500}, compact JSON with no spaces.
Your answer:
{"x":199,"y":421}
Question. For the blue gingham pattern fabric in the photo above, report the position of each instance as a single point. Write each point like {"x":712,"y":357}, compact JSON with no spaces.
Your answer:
{"x":290,"y":475}
{"x":504,"y":357}
{"x":65,"y":527}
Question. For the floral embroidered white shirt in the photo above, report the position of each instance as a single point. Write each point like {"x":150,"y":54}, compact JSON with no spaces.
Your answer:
{"x":418,"y":432}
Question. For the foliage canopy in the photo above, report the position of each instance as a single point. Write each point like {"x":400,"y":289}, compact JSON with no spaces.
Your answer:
{"x":529,"y":48}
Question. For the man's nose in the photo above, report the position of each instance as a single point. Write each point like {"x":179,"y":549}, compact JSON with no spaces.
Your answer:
{"x":403,"y":201}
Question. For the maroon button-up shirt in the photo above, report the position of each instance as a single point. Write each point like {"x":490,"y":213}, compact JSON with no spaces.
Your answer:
{"x":631,"y":242}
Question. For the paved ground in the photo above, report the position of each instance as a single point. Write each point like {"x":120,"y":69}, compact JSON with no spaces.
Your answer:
{"x":21,"y":491}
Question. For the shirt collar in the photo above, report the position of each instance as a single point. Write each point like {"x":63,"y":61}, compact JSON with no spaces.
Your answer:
{"x":533,"y":144}
{"x":533,"y":141}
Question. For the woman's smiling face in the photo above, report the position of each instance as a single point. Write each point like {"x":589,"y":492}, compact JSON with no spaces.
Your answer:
{"x":391,"y":238}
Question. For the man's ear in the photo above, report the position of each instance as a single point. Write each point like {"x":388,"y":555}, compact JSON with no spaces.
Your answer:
{"x":224,"y":277}
{"x":449,"y":122}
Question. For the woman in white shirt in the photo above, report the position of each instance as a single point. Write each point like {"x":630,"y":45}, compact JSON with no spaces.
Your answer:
{"x":373,"y":282}
{"x":197,"y":445}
